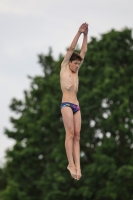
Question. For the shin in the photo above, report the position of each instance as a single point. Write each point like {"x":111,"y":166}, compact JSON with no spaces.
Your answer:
{"x":69,"y":146}
{"x":76,"y":149}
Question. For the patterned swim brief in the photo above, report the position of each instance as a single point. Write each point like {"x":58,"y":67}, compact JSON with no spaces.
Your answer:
{"x":74,"y":107}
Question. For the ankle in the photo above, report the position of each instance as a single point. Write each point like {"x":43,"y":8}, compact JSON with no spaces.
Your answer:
{"x":77,"y":166}
{"x":71,"y":165}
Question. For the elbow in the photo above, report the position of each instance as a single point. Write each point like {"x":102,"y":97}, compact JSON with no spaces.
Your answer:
{"x":84,"y":50}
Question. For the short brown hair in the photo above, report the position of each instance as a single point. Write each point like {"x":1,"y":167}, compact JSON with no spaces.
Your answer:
{"x":75,"y":56}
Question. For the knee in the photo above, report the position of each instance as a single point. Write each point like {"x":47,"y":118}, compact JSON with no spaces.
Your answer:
{"x":70,"y":133}
{"x":77,"y":136}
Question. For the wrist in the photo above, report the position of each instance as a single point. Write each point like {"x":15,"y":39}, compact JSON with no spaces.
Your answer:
{"x":79,"y":32}
{"x":85,"y":33}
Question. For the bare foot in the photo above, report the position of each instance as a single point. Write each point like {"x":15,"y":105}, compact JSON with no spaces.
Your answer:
{"x":78,"y":173}
{"x":72,"y":170}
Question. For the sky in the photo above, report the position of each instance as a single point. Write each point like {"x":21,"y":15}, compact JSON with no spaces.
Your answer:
{"x":29,"y":27}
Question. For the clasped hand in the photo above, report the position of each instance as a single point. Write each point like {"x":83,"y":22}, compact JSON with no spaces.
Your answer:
{"x":83,"y":28}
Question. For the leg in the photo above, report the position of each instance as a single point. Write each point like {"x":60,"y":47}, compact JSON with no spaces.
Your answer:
{"x":76,"y":147}
{"x":67,"y":115}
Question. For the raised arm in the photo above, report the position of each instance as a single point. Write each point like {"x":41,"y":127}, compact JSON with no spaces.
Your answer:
{"x":70,"y":51}
{"x":84,"y":44}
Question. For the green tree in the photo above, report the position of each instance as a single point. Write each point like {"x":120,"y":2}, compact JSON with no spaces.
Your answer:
{"x":3,"y":180}
{"x":36,"y":166}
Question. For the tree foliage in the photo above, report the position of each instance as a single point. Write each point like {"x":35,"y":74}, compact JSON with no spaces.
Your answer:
{"x":36,"y":166}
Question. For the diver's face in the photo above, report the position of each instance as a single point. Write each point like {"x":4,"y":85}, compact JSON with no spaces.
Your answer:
{"x":74,"y":65}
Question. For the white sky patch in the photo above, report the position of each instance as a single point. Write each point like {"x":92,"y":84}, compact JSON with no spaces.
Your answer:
{"x":25,"y":7}
{"x":23,"y":142}
{"x":92,"y":123}
{"x":105,"y":115}
{"x":13,"y":51}
{"x":6,"y":83}
{"x":108,"y":134}
{"x":5,"y":144}
{"x":98,"y":134}
{"x":104,"y":103}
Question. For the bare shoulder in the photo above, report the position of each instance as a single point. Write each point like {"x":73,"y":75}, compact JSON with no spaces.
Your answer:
{"x":63,"y":66}
{"x":67,"y":58}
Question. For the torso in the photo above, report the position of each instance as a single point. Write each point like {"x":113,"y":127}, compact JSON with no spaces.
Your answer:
{"x":69,"y":85}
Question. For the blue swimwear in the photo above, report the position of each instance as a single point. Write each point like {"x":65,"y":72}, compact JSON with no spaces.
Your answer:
{"x":74,"y":107}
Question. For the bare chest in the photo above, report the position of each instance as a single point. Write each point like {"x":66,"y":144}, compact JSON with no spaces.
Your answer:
{"x":69,"y":80}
